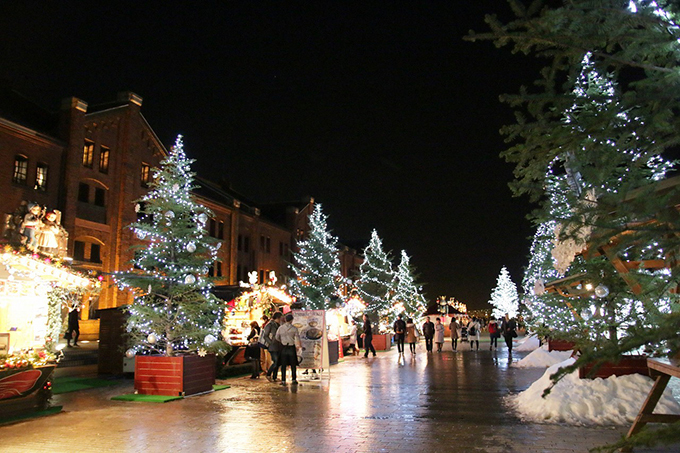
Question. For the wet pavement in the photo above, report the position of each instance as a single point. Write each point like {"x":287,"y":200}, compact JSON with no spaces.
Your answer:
{"x":437,"y":402}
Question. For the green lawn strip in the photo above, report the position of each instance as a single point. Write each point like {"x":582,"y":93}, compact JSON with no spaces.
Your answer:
{"x":217,"y":387}
{"x":72,"y":384}
{"x":50,"y":411}
{"x":146,"y":398}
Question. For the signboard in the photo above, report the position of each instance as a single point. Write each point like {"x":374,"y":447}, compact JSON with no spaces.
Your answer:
{"x":312,"y":327}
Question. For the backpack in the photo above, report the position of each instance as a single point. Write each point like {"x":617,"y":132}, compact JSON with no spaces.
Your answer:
{"x":263,"y":341}
{"x":492,"y":327}
{"x":472,"y":330}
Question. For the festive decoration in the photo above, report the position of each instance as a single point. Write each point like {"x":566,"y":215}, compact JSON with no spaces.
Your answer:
{"x":316,"y":267}
{"x":377,"y":282}
{"x":409,"y":294}
{"x":175,"y":311}
{"x":504,"y":297}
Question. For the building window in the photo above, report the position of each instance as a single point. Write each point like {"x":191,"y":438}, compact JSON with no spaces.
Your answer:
{"x":83,"y":192}
{"x":219,"y":269}
{"x":88,"y":154}
{"x":79,"y":251}
{"x":41,"y":177}
{"x":220,"y":230}
{"x":104,"y":160}
{"x":240,"y":243}
{"x":211,"y":227}
{"x":95,"y":253}
{"x":280,"y":248}
{"x":20,"y":170}
{"x":262,"y":243}
{"x":246,"y":244}
{"x":99,"y":197}
{"x":268,"y":244}
{"x":145,"y":175}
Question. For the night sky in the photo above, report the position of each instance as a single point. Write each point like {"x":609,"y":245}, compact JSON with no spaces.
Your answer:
{"x":379,"y":110}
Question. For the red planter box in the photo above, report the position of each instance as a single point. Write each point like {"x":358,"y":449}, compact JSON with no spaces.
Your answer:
{"x":633,"y":364}
{"x":560,"y":345}
{"x":174,"y":376}
{"x":382,"y":342}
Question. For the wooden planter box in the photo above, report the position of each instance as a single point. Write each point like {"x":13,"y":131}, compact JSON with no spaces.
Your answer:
{"x":560,"y":345}
{"x":174,"y":376}
{"x":382,"y":342}
{"x":633,"y":364}
{"x":25,"y":391}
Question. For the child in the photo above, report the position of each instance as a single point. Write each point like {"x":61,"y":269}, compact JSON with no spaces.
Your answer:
{"x":252,"y":354}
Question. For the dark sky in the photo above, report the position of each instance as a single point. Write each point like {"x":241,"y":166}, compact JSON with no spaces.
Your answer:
{"x":379,"y":110}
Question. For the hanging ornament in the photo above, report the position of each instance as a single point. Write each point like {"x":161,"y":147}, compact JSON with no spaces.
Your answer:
{"x":601,"y":290}
{"x":130,"y":353}
{"x":138,"y":207}
{"x":202,"y":352}
{"x":203,"y":218}
{"x":175,"y":187}
{"x":189,"y":279}
{"x":209,"y":339}
{"x":170,"y":215}
{"x":191,"y":247}
{"x":141,"y":234}
{"x":219,"y":245}
{"x":149,"y":289}
{"x":151,"y":338}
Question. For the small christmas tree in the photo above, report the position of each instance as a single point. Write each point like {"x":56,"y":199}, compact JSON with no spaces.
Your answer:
{"x":504,"y":297}
{"x":409,"y":297}
{"x":376,"y":283}
{"x":173,"y":310}
{"x":317,"y":266}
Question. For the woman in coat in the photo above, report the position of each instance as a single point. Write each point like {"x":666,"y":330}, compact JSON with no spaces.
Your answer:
{"x":453,"y":327}
{"x":411,"y":335}
{"x":439,"y":334}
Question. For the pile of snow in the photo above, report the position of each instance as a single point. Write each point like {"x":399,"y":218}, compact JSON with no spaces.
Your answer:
{"x":542,"y":358}
{"x":611,"y":401}
{"x":529,"y":344}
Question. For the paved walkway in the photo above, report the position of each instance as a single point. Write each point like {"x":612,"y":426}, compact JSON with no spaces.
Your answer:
{"x":448,"y":402}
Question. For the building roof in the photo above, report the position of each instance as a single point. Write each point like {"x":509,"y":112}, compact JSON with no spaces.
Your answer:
{"x":19,"y":109}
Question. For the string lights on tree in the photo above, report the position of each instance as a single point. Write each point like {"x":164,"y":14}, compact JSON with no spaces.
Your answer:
{"x":504,"y":297}
{"x":377,"y":279}
{"x":409,"y":295}
{"x":173,"y":310}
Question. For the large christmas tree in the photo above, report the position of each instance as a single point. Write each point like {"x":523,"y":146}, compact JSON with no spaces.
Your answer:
{"x":409,"y":297}
{"x":173,"y":310}
{"x":376,"y":283}
{"x":604,"y":113}
{"x":504,"y":296}
{"x":316,"y":267}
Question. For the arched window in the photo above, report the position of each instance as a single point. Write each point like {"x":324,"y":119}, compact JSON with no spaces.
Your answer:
{"x":20,"y":174}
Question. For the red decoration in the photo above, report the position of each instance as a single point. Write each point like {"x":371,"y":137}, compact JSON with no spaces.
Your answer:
{"x":16,"y":384}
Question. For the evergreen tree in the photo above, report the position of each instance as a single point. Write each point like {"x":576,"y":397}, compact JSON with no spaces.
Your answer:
{"x":316,"y":270}
{"x":504,"y":297}
{"x":603,"y":115}
{"x":408,"y":297}
{"x":173,"y":310}
{"x":376,"y":283}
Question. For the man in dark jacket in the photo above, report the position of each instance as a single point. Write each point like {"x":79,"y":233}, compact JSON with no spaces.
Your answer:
{"x":428,"y":333}
{"x":274,"y":347}
{"x":399,"y":333}
{"x":368,"y":336}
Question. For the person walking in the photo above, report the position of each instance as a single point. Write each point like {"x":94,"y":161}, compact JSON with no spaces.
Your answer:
{"x":428,"y":333}
{"x":368,"y":336}
{"x":73,"y":328}
{"x":411,"y":335}
{"x":273,"y":346}
{"x":353,"y":338}
{"x":454,"y":327}
{"x":399,"y":333}
{"x":289,"y":336}
{"x":494,"y":334}
{"x":473,"y":329}
{"x":509,"y":331}
{"x":439,"y":334}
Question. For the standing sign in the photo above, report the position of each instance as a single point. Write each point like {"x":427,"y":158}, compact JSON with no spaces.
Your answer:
{"x":312,"y":327}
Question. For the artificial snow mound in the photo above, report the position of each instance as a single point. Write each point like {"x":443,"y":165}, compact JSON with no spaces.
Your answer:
{"x":529,"y":344}
{"x":542,"y":358}
{"x":611,"y":401}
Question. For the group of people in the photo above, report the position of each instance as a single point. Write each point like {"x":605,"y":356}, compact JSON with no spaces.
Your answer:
{"x":406,"y":332}
{"x":281,"y":339}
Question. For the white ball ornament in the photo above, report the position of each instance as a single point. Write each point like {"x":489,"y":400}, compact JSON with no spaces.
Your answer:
{"x":601,"y":291}
{"x":130,"y":353}
{"x":189,"y":279}
{"x":191,"y":247}
{"x":170,"y":215}
{"x":151,"y":338}
{"x":175,"y":187}
{"x":138,"y":207}
{"x":141,"y":234}
{"x":209,"y":339}
{"x":202,"y":217}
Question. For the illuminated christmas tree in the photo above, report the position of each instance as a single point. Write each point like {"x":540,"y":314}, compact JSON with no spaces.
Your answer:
{"x":409,"y":297}
{"x":316,"y":265}
{"x":173,"y":310}
{"x":376,"y":283}
{"x":504,"y":297}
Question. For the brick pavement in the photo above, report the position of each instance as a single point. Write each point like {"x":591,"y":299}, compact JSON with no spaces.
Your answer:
{"x":446,"y":402}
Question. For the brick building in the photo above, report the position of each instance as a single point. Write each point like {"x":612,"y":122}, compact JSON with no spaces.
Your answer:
{"x":92,"y":162}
